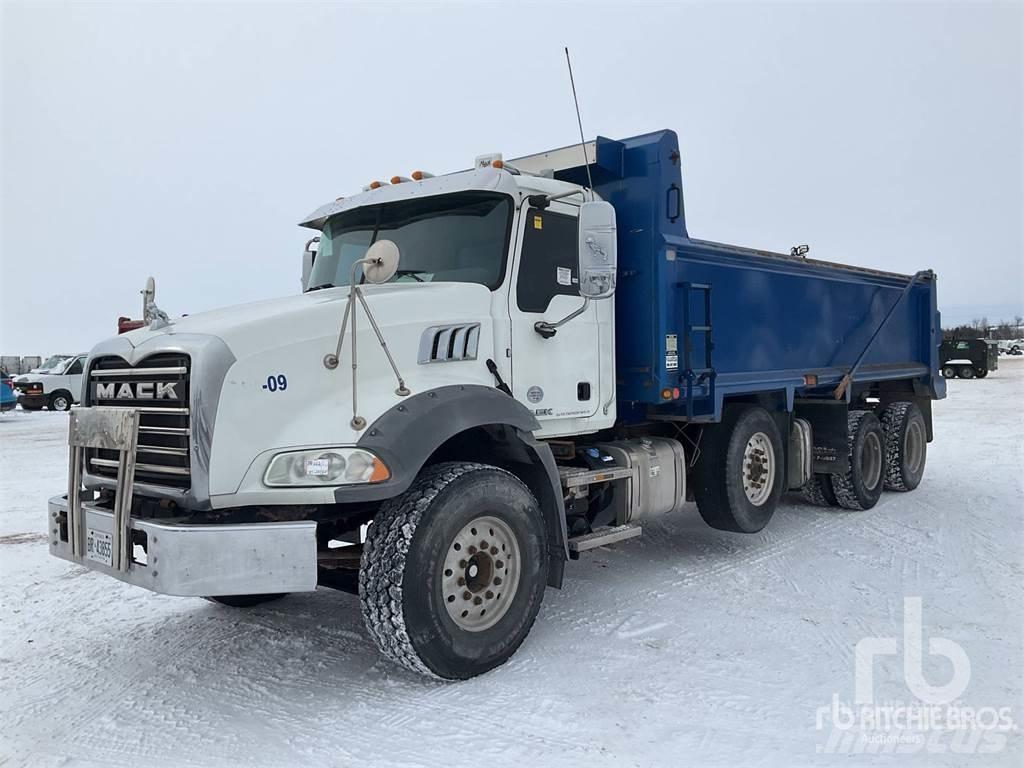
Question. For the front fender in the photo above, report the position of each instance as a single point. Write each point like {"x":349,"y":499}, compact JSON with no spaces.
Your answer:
{"x":408,"y":434}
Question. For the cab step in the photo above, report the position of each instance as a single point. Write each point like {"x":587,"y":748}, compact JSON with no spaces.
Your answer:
{"x":602,"y":537}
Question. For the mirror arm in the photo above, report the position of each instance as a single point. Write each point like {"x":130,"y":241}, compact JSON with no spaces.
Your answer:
{"x":543,"y":201}
{"x":547,"y":330}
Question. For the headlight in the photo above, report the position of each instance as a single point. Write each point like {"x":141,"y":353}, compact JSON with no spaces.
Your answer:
{"x":330,"y":466}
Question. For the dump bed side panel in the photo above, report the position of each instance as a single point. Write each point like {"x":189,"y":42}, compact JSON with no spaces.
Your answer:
{"x":773,"y":318}
{"x":774,"y":321}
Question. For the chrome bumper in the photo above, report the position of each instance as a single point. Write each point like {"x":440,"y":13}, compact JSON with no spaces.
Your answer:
{"x":199,"y":560}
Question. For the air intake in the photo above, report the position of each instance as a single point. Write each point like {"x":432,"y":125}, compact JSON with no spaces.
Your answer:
{"x":449,"y":343}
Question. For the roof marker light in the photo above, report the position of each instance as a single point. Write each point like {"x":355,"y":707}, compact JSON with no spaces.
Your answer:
{"x":421,"y":175}
{"x":399,"y":179}
{"x":373,"y":185}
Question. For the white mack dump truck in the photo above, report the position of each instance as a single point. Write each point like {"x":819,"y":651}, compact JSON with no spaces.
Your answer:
{"x":454,"y":406}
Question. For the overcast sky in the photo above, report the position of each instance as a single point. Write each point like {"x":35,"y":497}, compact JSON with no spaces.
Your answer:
{"x":186,"y":141}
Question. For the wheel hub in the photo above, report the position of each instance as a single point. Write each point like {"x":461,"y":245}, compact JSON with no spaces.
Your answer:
{"x":758,"y":468}
{"x":480,"y":574}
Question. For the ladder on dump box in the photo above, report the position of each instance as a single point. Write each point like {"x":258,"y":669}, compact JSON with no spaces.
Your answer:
{"x":695,"y":377}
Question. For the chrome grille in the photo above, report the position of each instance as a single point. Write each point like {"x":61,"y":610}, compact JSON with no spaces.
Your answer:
{"x":158,"y":387}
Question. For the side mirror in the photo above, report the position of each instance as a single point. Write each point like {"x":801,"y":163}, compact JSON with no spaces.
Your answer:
{"x":597,"y":250}
{"x":308,"y":258}
{"x":381,"y":261}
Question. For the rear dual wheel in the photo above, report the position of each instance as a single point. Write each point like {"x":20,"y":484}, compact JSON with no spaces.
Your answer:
{"x":906,"y":445}
{"x":861,"y":485}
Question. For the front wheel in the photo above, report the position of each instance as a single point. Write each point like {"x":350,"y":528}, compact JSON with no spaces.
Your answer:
{"x":981,"y":373}
{"x":60,"y":401}
{"x":453,"y":571}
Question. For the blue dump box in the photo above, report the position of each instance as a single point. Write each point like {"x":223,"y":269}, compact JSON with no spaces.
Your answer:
{"x":699,"y":322}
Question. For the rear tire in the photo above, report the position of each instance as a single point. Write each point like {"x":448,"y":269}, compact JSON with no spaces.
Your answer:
{"x":818,"y":491}
{"x":948,"y":372}
{"x":739,"y":476}
{"x":861,"y":486}
{"x":453,"y":571}
{"x":906,"y":445}
{"x":966,"y":372}
{"x":245,"y":601}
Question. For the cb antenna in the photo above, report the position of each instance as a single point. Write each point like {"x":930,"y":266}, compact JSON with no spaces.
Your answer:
{"x":579,"y":120}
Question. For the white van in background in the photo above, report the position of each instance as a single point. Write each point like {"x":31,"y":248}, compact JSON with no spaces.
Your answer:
{"x":57,"y":384}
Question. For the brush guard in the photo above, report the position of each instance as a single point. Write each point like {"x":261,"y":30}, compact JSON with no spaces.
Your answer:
{"x":112,"y":429}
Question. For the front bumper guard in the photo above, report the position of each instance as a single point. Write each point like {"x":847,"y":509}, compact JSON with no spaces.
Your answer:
{"x":175,"y":559}
{"x":200,"y":560}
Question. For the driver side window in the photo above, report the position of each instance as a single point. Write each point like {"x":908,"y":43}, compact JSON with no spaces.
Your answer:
{"x":75,"y":367}
{"x":548,"y":264}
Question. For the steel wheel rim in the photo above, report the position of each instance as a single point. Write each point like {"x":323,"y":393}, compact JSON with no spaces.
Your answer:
{"x":914,"y":447}
{"x":871,"y":461}
{"x":61,"y":403}
{"x":758,"y":468}
{"x":480,"y":575}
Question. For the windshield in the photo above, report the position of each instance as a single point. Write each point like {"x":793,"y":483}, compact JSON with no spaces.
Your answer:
{"x":53,"y":361}
{"x":459,"y":238}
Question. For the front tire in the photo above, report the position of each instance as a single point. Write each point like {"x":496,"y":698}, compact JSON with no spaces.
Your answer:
{"x":739,"y":476}
{"x":59,"y":401}
{"x":981,"y":373}
{"x":861,"y":486}
{"x":453,"y":571}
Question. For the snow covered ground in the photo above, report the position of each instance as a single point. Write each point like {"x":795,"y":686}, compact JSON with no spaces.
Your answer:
{"x":687,"y":646}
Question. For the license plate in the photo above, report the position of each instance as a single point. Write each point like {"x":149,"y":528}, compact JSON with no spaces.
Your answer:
{"x":99,"y":546}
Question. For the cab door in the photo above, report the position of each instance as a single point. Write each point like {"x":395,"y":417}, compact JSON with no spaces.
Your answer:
{"x":557,"y":378}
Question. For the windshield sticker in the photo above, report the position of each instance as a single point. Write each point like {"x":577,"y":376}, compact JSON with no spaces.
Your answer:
{"x":564,"y":276}
{"x":538,"y":222}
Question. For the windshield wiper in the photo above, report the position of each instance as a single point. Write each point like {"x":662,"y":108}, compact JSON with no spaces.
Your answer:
{"x":322,"y":285}
{"x":413,"y":273}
